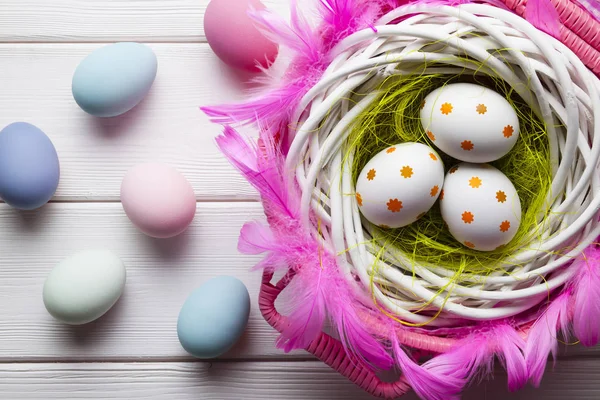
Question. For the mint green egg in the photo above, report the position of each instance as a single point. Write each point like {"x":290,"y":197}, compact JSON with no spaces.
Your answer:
{"x":114,"y":79}
{"x":83,"y":287}
{"x":214,"y":317}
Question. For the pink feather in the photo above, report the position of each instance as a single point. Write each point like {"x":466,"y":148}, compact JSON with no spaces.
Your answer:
{"x":543,"y":336}
{"x":474,"y":356}
{"x":586,"y":305}
{"x":471,"y":357}
{"x":592,"y":7}
{"x":308,"y":289}
{"x":543,"y":15}
{"x":339,"y":15}
{"x":318,"y":289}
{"x":255,"y":238}
{"x":308,"y":300}
{"x":272,"y":109}
{"x":427,"y":384}
{"x":509,"y":348}
{"x":344,"y":17}
{"x":357,"y":341}
{"x":298,"y":35}
{"x":264,"y":174}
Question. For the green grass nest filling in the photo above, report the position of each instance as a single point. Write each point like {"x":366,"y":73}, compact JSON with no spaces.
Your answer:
{"x":394,"y":118}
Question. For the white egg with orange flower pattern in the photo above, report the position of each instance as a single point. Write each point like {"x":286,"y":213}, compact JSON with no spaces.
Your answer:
{"x":399,"y":184}
{"x":480,"y":205}
{"x":470,"y":122}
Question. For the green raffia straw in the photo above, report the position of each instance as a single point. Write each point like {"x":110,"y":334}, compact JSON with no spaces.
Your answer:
{"x":394,"y":118}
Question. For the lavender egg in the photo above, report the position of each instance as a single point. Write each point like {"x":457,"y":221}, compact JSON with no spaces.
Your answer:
{"x":29,"y":167}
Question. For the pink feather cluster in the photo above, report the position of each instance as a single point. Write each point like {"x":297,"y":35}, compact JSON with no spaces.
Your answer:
{"x":319,"y":291}
{"x":576,"y":310}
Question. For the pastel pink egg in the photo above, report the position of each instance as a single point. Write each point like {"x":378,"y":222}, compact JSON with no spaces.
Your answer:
{"x":158,"y":199}
{"x":234,"y":38}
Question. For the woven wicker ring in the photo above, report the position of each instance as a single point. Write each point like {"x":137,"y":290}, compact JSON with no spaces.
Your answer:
{"x":557,"y":86}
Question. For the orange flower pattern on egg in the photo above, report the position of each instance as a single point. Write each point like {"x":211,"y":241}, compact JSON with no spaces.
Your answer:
{"x":508,"y":131}
{"x":406,"y":172}
{"x":467,"y":145}
{"x":475,"y":182}
{"x":359,"y":199}
{"x":500,"y":196}
{"x":446,"y":108}
{"x":371,"y":174}
{"x":505,"y":226}
{"x":468,"y":217}
{"x":394,"y":205}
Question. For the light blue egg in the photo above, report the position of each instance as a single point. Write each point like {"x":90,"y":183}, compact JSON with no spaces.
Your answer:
{"x":214,"y":317}
{"x":114,"y":79}
{"x":29,"y":168}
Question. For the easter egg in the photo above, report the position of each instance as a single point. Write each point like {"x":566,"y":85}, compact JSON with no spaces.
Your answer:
{"x":234,"y":37}
{"x":480,"y":205}
{"x":470,"y":122}
{"x":158,"y":199}
{"x":84,"y":286}
{"x":399,"y":184}
{"x":214,"y":317}
{"x":29,"y":168}
{"x":114,"y":79}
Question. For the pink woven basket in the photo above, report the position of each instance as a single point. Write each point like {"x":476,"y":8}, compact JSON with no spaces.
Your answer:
{"x":578,"y":29}
{"x":296,"y":168}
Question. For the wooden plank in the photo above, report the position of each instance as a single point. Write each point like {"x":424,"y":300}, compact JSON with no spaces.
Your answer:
{"x":153,"y":381}
{"x":161,"y":273}
{"x":106,"y":21}
{"x":574,"y":379}
{"x":95,"y":153}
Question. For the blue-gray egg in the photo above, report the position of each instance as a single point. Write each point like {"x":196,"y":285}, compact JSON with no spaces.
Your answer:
{"x":29,"y":167}
{"x":114,"y":79}
{"x":214,"y":317}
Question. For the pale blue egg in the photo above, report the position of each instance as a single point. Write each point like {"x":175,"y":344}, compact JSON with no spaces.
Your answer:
{"x":29,"y":167}
{"x":214,"y":317}
{"x":114,"y":79}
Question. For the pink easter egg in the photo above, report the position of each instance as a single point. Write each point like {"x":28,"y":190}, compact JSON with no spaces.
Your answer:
{"x":158,"y":199}
{"x":234,"y":38}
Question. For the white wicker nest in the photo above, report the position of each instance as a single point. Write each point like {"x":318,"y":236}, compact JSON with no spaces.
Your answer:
{"x":544,"y":72}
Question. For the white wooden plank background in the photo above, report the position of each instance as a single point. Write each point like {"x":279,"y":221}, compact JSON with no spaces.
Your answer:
{"x":106,"y":20}
{"x":299,"y":380}
{"x":35,"y":85}
{"x":133,"y":352}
